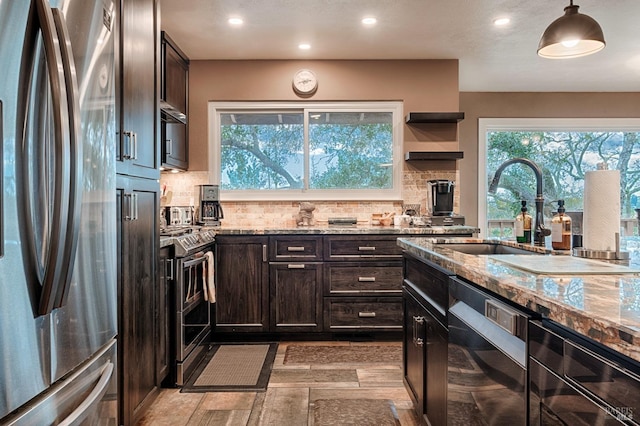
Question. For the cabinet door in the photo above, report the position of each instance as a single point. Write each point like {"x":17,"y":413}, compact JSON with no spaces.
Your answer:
{"x":138,"y":211}
{"x":164,"y":308}
{"x":175,"y":74}
{"x":242,"y":292}
{"x":137,"y":152}
{"x":414,"y":351}
{"x":174,"y":145}
{"x":296,"y":297}
{"x":436,"y":371}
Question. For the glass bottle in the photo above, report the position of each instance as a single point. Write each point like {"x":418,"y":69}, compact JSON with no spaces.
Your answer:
{"x":561,"y":229}
{"x":523,"y":225}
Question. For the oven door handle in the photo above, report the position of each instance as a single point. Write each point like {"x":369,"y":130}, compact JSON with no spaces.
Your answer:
{"x":194,"y":262}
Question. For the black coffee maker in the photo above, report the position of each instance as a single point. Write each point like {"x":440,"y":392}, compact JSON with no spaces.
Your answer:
{"x":441,"y":197}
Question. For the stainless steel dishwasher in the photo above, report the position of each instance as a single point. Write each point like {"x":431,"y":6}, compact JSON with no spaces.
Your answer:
{"x":487,"y":359}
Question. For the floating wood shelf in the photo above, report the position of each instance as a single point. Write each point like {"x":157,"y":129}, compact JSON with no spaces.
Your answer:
{"x":434,"y":117}
{"x":433,"y":155}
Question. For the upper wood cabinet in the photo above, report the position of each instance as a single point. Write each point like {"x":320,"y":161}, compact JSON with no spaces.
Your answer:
{"x":137,"y":153}
{"x":174,"y":105}
{"x":174,"y":81}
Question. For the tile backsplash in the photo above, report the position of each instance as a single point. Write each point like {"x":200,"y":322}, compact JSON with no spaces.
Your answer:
{"x":179,"y":191}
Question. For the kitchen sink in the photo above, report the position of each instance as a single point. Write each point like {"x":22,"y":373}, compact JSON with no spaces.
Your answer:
{"x":485,"y":248}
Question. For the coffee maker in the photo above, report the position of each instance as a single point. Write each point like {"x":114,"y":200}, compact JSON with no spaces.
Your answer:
{"x":209,"y":211}
{"x":441,"y":196}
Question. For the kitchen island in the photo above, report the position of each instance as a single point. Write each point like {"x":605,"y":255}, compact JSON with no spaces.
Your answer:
{"x":606,"y":308}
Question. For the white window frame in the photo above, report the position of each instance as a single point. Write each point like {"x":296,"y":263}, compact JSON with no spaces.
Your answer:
{"x":392,"y":194}
{"x":486,"y":125}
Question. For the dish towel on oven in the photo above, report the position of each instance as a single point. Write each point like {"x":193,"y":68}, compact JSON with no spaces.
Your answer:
{"x":209,"y":280}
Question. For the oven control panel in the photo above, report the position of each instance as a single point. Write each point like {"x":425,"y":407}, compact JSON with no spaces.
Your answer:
{"x":186,"y":244}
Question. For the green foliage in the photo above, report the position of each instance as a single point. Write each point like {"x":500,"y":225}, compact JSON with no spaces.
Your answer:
{"x":564,"y":157}
{"x":342,"y":156}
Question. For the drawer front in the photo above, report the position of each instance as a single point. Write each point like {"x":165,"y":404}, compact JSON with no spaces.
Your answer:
{"x":295,"y":248}
{"x":363,"y":278}
{"x":363,"y":313}
{"x":363,"y":247}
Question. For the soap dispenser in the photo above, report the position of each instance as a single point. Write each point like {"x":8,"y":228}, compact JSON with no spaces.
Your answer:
{"x":523,"y":225}
{"x":561,"y":229}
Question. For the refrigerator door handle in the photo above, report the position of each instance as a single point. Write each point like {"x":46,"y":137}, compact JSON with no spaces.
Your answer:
{"x":75,"y":164}
{"x":43,"y":276}
{"x":87,"y":406}
{"x":1,"y":182}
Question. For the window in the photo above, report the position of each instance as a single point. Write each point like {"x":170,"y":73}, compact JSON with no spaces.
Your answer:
{"x":564,"y":149}
{"x":315,"y":151}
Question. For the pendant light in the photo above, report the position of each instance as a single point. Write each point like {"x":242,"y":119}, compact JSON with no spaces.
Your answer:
{"x":571,"y":36}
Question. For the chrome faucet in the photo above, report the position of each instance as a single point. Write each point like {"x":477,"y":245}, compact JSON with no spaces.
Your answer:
{"x":540,"y":232}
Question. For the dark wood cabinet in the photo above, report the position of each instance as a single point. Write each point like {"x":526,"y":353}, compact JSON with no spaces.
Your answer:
{"x":363,"y":283}
{"x":426,"y":338}
{"x":138,"y":244}
{"x":141,"y":319}
{"x":137,"y":153}
{"x":164,"y":310}
{"x":174,"y":87}
{"x":242,"y":291}
{"x":174,"y":104}
{"x":414,"y":351}
{"x":296,"y":296}
{"x":175,"y":150}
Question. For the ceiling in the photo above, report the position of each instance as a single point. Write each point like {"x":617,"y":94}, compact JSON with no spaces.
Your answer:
{"x":494,"y":59}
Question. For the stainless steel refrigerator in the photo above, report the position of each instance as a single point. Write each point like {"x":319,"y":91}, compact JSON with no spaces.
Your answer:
{"x":58,"y":291}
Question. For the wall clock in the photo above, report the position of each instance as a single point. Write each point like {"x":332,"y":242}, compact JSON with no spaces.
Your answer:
{"x":305,"y":82}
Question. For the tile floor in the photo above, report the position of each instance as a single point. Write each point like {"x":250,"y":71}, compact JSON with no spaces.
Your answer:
{"x":291,"y":391}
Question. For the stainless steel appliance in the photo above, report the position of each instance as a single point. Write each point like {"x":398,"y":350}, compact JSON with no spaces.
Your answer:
{"x":58,"y":294}
{"x":576,"y":381}
{"x":209,"y":210}
{"x":487,"y":353}
{"x":195,"y":287}
{"x":177,"y":215}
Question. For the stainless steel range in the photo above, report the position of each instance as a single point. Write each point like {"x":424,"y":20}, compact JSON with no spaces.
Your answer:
{"x":194,"y":292}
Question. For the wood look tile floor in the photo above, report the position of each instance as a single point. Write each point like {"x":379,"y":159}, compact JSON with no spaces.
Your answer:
{"x":291,"y":393}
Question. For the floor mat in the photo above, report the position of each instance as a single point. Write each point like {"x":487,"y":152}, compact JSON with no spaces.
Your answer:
{"x":310,"y":354}
{"x":360,"y":412}
{"x":233,"y":367}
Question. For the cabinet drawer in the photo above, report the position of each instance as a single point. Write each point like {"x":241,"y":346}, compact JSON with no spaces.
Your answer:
{"x":295,"y":248}
{"x":362,"y":247}
{"x":363,"y":313}
{"x":362,"y":278}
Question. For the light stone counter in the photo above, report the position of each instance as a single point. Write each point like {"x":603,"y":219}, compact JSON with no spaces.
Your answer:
{"x":604,"y":307}
{"x":347,"y":230}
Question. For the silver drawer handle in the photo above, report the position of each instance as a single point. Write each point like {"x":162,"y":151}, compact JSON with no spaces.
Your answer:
{"x":295,"y":248}
{"x":366,"y":279}
{"x":367,"y":314}
{"x":366,"y":248}
{"x":295,"y":266}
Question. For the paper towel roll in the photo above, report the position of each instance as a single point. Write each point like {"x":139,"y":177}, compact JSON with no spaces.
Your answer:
{"x":601,"y":209}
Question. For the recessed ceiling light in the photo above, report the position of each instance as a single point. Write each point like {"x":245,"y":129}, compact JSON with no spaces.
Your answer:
{"x":235,"y":21}
{"x":501,"y":22}
{"x":369,"y":21}
{"x":304,"y":46}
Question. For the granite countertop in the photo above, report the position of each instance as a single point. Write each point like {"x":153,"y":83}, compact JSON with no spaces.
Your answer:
{"x":338,"y":230}
{"x":604,"y":307}
{"x":346,"y":230}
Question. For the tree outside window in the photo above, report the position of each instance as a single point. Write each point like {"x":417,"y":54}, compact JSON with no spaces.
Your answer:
{"x":564,"y":157}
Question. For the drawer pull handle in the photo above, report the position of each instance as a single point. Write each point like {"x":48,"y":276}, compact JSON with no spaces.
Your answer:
{"x":366,"y":279}
{"x":367,"y":314}
{"x":366,"y":248}
{"x":295,"y":266}
{"x":295,"y":248}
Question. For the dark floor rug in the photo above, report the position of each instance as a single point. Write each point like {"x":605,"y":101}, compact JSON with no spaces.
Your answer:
{"x":233,"y":368}
{"x":360,"y":412}
{"x":310,"y":354}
